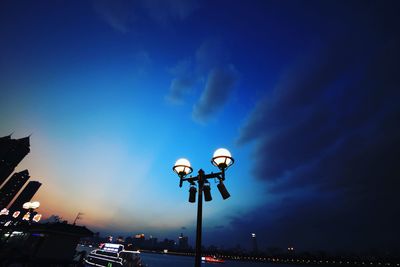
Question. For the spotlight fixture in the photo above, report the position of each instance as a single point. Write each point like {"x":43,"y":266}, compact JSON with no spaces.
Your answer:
{"x":207,"y":191}
{"x":222,"y":189}
{"x":192,"y":194}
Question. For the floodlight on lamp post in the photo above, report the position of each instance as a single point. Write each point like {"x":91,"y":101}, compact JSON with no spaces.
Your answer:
{"x":222,"y":159}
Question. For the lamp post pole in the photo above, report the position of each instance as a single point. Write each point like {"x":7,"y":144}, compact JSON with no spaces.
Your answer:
{"x":222,"y":159}
{"x":200,"y":182}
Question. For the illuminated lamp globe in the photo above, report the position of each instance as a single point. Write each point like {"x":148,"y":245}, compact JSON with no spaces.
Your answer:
{"x":27,"y":205}
{"x":182,"y":167}
{"x":35,"y":204}
{"x":222,"y":158}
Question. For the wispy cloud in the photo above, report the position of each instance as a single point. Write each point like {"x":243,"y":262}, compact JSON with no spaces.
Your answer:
{"x":183,"y":84}
{"x":220,"y":83}
{"x":179,"y":89}
{"x":211,"y":71}
{"x":116,"y":13}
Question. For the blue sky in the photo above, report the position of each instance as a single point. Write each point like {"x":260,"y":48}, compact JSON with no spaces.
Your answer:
{"x":301,"y":92}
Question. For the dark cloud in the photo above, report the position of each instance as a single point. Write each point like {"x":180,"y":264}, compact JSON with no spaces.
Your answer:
{"x":183,"y":84}
{"x":180,"y":87}
{"x":211,"y":61}
{"x":327,"y":141}
{"x":220,"y":83}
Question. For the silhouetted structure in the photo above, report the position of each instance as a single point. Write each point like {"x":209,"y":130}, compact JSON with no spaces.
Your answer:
{"x":57,"y":241}
{"x":152,"y":242}
{"x":183,"y":242}
{"x":12,"y":187}
{"x":43,"y":244}
{"x":25,"y":196}
{"x":254,"y":241}
{"x":167,"y":244}
{"x":12,"y":151}
{"x":139,"y":241}
{"x":5,"y":143}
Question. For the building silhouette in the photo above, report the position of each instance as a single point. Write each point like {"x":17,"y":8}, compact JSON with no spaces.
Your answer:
{"x":254,"y":241}
{"x":5,"y":143}
{"x":12,"y":187}
{"x":139,"y":241}
{"x":183,"y":242}
{"x":12,"y":151}
{"x":153,"y":242}
{"x":26,"y":195}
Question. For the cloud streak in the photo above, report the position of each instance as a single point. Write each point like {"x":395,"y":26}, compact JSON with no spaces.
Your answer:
{"x":220,"y":83}
{"x":121,"y":14}
{"x":183,"y":84}
{"x":211,"y":61}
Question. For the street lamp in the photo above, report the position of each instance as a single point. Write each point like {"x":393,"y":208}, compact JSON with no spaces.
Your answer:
{"x":30,"y":206}
{"x":222,"y":159}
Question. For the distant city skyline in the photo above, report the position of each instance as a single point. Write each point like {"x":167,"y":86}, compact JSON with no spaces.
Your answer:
{"x":304,"y":94}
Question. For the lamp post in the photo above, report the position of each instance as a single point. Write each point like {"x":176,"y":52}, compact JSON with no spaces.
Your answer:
{"x":222,"y":159}
{"x":30,"y":206}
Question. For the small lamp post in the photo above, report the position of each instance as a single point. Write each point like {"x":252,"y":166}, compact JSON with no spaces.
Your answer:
{"x":222,"y":159}
{"x":30,"y":206}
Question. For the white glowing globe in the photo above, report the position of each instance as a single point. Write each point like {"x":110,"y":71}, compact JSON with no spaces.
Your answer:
{"x":182,"y":165}
{"x":222,"y":156}
{"x":31,"y":205}
{"x":35,"y":204}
